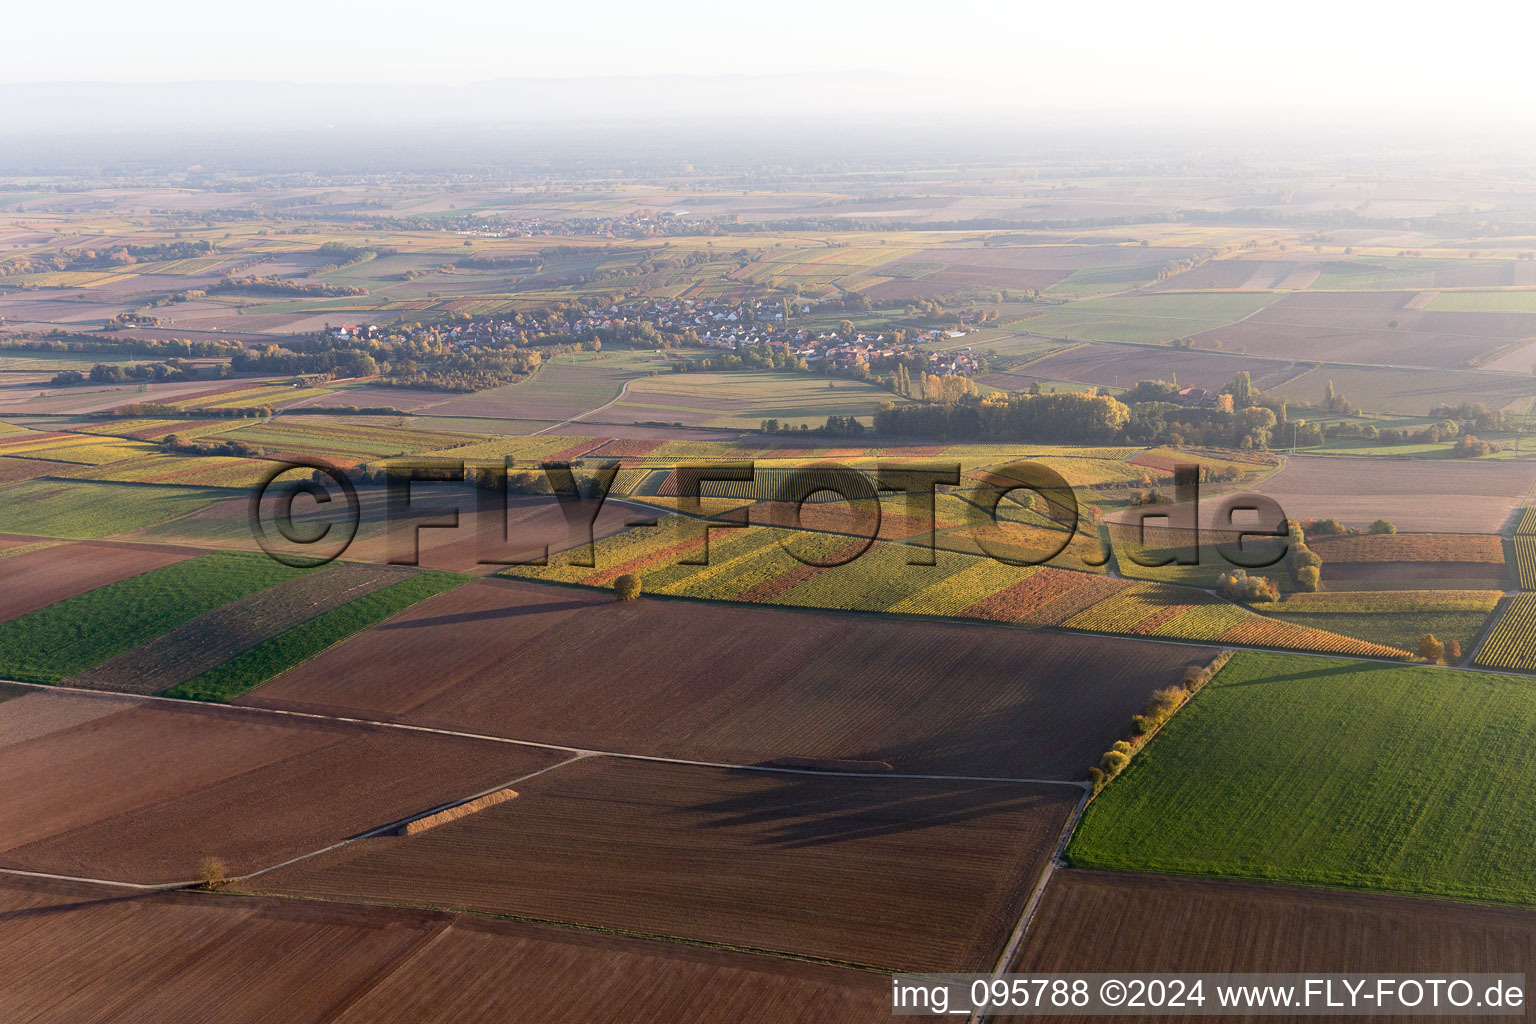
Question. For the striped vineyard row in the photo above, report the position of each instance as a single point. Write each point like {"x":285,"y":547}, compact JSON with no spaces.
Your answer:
{"x":754,"y":565}
{"x":1512,"y":644}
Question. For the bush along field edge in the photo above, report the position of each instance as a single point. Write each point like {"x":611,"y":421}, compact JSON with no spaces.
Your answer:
{"x":1162,"y":706}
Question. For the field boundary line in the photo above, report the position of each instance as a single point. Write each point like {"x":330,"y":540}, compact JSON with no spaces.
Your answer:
{"x":1490,"y":627}
{"x":141,"y":886}
{"x":590,"y":412}
{"x":374,"y":833}
{"x":1027,"y":916}
{"x":578,"y":751}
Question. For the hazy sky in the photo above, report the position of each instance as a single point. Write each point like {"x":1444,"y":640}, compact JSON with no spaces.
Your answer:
{"x":1095,"y":54}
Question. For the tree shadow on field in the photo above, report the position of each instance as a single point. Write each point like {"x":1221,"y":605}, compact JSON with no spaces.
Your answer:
{"x":1045,"y":725}
{"x":24,"y":913}
{"x":796,"y":811}
{"x":507,"y":612}
{"x":1341,"y":671}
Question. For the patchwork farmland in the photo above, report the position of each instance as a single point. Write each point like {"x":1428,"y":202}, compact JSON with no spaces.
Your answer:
{"x":476,"y":774}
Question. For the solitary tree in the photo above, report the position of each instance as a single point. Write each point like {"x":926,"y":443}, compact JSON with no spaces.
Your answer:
{"x":213,"y":872}
{"x":1383,"y":526}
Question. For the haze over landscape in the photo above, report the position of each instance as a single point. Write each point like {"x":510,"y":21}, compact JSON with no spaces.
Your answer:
{"x":665,"y":514}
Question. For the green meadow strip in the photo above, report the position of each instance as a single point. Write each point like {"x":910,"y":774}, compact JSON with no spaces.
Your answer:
{"x":280,"y":653}
{"x":80,"y":632}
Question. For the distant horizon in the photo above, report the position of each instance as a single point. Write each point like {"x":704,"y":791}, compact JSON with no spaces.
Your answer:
{"x":1313,"y":55}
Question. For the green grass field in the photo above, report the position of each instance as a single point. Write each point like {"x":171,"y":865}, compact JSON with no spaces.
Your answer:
{"x":1410,"y":392}
{"x":1099,"y":280}
{"x":1147,"y":319}
{"x":85,"y":510}
{"x":66,"y":638}
{"x":280,"y":653}
{"x":1395,"y":629}
{"x":743,"y":400}
{"x":1484,"y":302}
{"x":1327,"y":772}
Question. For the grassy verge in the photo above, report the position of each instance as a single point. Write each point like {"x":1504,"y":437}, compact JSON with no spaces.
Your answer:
{"x":1395,"y":629}
{"x":1330,"y":772}
{"x":282,"y":652}
{"x":66,"y":638}
{"x":86,"y":510}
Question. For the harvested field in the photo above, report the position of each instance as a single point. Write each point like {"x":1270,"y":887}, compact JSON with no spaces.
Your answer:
{"x":1420,"y":497}
{"x":575,"y":668}
{"x":1413,"y":392}
{"x":1414,"y":575}
{"x":212,"y":639}
{"x":39,"y":578}
{"x":31,"y":713}
{"x":1410,"y":547}
{"x":1370,"y":327}
{"x":73,"y":955}
{"x":250,"y":789}
{"x":1190,"y":925}
{"x":1148,"y":318}
{"x":1123,"y":365}
{"x":904,"y":873}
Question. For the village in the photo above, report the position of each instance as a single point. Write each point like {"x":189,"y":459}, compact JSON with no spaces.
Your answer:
{"x":733,"y":327}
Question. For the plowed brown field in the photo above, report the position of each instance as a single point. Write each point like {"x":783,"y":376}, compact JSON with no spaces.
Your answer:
{"x":902,"y":873}
{"x":83,"y":953}
{"x":1099,"y":921}
{"x":739,"y":684}
{"x":144,"y":794}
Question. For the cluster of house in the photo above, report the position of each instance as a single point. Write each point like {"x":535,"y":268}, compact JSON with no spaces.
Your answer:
{"x":732,"y":326}
{"x":640,"y":224}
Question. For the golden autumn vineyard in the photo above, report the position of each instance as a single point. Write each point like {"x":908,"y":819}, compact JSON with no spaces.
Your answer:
{"x":1512,"y":644}
{"x":751,"y":564}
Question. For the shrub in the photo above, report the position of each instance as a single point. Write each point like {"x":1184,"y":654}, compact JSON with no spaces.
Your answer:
{"x":1239,"y":586}
{"x":1163,"y":703}
{"x":1309,"y":578}
{"x":1114,"y":762}
{"x":1121,"y":746}
{"x":213,"y":873}
{"x":1431,"y":649}
{"x":1096,"y":776}
{"x":1453,"y":650}
{"x":1382,"y":526}
{"x":627,"y":587}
